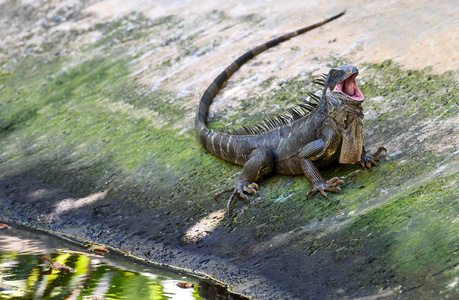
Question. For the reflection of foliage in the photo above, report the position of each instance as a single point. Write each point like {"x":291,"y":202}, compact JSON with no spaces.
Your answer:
{"x":93,"y":280}
{"x":59,"y":282}
{"x":21,"y":279}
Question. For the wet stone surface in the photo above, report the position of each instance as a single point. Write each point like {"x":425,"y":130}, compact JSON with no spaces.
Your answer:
{"x":97,"y":100}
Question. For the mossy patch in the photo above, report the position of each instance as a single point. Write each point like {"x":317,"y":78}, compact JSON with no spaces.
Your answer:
{"x":83,"y":113}
{"x":410,"y":241}
{"x":418,"y":91}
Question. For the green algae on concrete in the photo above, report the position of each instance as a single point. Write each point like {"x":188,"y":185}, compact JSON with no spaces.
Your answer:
{"x":86,"y":127}
{"x":411,"y":240}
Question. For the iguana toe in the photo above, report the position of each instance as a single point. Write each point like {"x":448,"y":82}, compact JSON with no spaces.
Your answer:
{"x":334,"y":182}
{"x":330,"y":185}
{"x":241,"y":189}
{"x":251,"y":189}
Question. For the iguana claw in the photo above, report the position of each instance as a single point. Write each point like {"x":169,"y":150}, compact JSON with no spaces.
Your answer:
{"x":241,"y":188}
{"x":369,"y":160}
{"x":329,"y":185}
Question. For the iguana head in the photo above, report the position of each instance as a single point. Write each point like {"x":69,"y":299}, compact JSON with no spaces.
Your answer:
{"x":344,"y":99}
{"x":340,"y":83}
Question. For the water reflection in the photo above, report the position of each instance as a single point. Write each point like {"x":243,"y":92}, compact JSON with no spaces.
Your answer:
{"x":23,"y":275}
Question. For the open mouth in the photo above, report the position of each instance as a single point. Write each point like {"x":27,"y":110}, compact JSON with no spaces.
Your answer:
{"x":349,"y":88}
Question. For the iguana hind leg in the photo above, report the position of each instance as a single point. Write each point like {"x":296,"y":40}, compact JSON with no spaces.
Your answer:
{"x":261,"y":162}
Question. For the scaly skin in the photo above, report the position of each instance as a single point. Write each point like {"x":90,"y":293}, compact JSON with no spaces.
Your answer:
{"x":295,"y":144}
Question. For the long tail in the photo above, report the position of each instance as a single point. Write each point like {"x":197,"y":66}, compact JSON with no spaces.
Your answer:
{"x":212,"y":90}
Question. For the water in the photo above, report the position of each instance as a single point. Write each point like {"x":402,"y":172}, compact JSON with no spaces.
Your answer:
{"x":23,"y":275}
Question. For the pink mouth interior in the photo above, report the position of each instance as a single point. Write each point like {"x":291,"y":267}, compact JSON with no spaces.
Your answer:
{"x":349,"y":88}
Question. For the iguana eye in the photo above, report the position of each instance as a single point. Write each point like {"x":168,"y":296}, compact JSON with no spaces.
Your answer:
{"x":334,"y":74}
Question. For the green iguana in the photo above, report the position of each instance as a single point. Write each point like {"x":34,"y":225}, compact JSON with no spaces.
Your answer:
{"x":316,"y":134}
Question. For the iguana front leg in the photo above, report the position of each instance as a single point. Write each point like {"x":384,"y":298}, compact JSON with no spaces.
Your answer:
{"x":261,"y":162}
{"x":315,"y":150}
{"x":318,"y":183}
